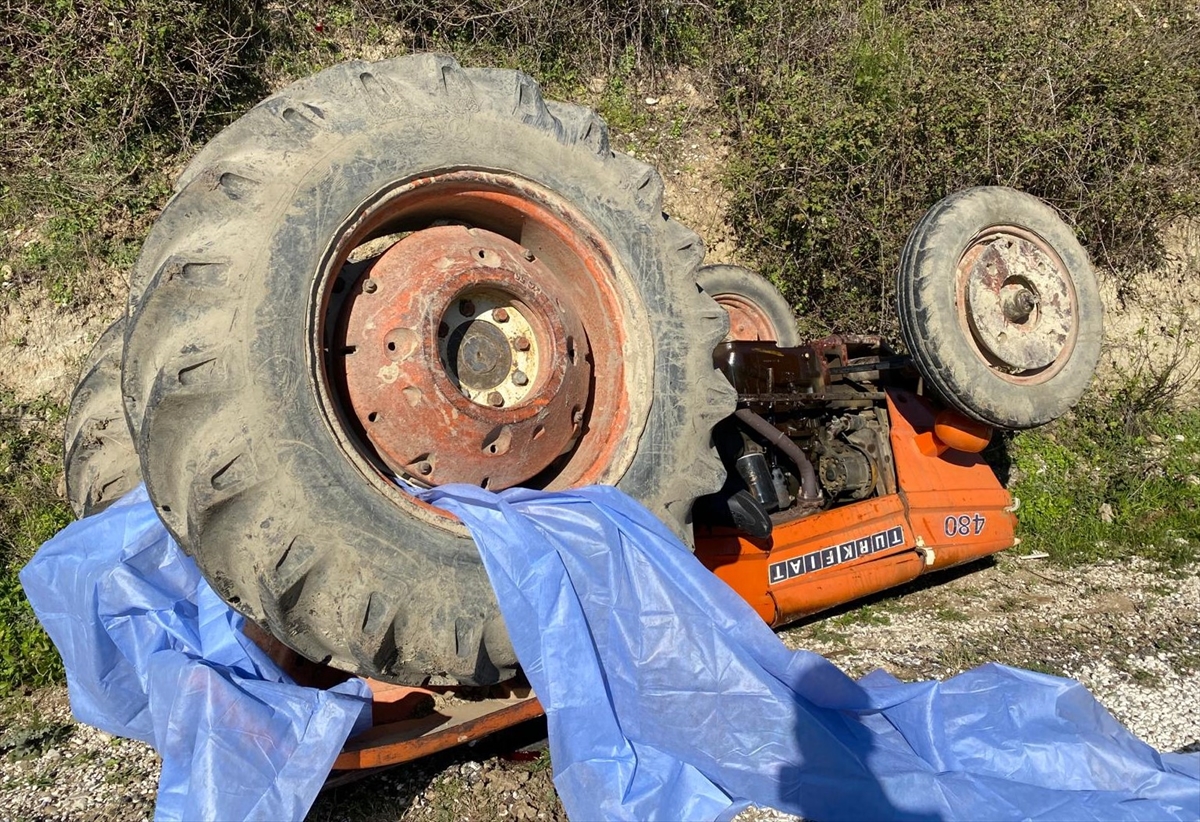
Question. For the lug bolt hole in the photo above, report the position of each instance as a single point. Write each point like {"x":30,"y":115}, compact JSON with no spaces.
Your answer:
{"x":374,"y":415}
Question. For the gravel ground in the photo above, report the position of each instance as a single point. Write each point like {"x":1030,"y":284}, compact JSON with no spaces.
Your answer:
{"x":1128,"y":632}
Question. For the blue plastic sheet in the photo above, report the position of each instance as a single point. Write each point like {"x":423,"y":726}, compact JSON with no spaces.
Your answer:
{"x":152,"y":653}
{"x":667,"y":697}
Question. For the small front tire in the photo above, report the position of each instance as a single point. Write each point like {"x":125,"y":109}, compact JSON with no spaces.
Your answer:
{"x":1000,"y":308}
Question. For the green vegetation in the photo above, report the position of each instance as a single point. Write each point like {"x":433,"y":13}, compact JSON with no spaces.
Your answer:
{"x":948,"y":614}
{"x":1096,"y":486}
{"x":875,"y":614}
{"x":851,"y":119}
{"x":30,"y":513}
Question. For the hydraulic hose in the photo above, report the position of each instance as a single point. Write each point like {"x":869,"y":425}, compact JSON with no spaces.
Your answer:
{"x":808,"y":477}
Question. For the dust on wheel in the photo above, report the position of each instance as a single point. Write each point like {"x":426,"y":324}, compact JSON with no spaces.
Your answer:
{"x":409,"y":269}
{"x":757,"y":311}
{"x":523,"y":340}
{"x":100,"y":462}
{"x":1000,"y":308}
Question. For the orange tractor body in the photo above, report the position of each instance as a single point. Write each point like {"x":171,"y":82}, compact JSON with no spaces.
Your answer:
{"x":949,"y":508}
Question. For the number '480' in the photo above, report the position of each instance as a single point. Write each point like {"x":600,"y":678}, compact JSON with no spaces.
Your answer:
{"x":964,"y":525}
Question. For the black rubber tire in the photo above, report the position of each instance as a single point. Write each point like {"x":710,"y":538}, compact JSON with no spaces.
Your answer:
{"x":942,"y":348}
{"x":721,"y":280}
{"x":98,"y":454}
{"x":237,"y":453}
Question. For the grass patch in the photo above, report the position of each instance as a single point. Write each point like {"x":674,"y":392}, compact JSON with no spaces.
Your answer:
{"x":30,"y":513}
{"x":947,"y":614}
{"x":1105,"y":484}
{"x":864,"y":615}
{"x":822,"y":633}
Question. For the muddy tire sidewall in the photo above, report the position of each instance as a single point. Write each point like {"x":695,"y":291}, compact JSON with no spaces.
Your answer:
{"x":927,"y":303}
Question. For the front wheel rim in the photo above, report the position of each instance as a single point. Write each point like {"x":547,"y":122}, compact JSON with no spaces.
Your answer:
{"x":493,"y":342}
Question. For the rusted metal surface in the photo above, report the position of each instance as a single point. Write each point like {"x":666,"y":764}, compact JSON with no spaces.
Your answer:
{"x":755,"y":368}
{"x":434,"y":371}
{"x":810,"y":490}
{"x":747,"y":320}
{"x":410,"y":723}
{"x":407,"y":723}
{"x":1017,"y":304}
{"x":765,"y":375}
{"x":478,"y":347}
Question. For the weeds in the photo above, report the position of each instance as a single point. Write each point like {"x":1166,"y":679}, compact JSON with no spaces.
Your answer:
{"x":848,"y":121}
{"x":866,"y":615}
{"x":1106,"y":483}
{"x":948,"y":614}
{"x":30,"y":513}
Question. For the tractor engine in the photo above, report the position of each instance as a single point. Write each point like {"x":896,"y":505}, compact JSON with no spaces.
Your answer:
{"x":810,"y":432}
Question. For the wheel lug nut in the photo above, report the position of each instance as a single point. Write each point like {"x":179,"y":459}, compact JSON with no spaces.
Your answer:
{"x":527,"y":254}
{"x":522,"y":343}
{"x":424,"y":468}
{"x":370,"y":286}
{"x":495,"y":399}
{"x":519,"y":378}
{"x":500,"y":315}
{"x":466,"y":308}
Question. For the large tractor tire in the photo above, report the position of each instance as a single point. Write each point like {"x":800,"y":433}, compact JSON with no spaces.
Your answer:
{"x":757,"y":311}
{"x":101,"y":463}
{"x":1000,"y":307}
{"x":409,"y":269}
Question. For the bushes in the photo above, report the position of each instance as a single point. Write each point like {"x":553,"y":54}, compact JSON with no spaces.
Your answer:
{"x":852,"y":119}
{"x":118,"y":71}
{"x":102,"y":102}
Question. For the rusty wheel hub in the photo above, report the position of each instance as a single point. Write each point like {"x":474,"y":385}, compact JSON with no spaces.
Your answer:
{"x":462,"y":362}
{"x":1018,"y":304}
{"x":747,"y":320}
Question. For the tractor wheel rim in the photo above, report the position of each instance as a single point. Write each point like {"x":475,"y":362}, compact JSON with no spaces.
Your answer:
{"x":748,"y":321}
{"x":467,"y":364}
{"x":490,"y":343}
{"x":1017,"y":305}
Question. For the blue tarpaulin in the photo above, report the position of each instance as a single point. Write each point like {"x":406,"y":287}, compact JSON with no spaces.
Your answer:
{"x":152,"y":653}
{"x":666,"y":696}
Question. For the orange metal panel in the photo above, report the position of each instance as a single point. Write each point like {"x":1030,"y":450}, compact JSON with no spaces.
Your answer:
{"x":814,"y":562}
{"x":950,"y":509}
{"x":955,"y":503}
{"x":408,"y":724}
